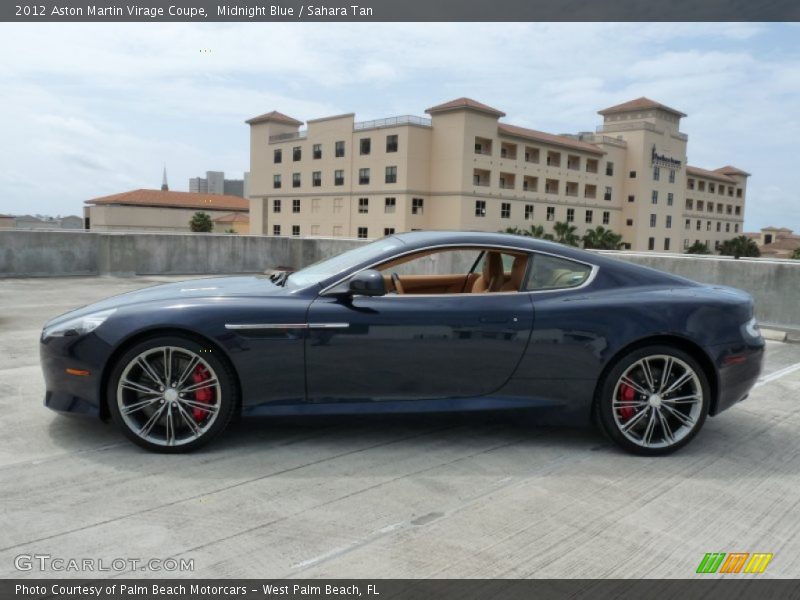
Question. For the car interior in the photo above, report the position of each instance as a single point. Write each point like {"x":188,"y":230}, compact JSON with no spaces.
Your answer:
{"x":479,"y":271}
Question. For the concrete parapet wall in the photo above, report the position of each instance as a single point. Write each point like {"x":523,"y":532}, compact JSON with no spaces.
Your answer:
{"x":775,"y":284}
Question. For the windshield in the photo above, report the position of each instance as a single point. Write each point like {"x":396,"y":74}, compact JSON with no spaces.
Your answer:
{"x":329,"y":267}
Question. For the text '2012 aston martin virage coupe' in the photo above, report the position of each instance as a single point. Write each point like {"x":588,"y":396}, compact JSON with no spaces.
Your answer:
{"x":422,"y":321}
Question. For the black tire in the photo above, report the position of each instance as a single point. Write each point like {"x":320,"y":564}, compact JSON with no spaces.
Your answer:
{"x":225,"y":393}
{"x":609,"y":416}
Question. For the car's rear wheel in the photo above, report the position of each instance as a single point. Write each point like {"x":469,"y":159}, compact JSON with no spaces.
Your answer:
{"x":171,"y":394}
{"x":654,"y":400}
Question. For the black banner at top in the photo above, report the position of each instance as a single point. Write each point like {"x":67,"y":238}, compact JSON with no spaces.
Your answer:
{"x":397,"y":10}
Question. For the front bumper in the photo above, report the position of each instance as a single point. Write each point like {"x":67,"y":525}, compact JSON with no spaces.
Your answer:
{"x":73,"y":393}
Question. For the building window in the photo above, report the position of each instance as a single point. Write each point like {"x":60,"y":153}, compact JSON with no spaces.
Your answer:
{"x":719,"y":226}
{"x":391,"y":174}
{"x":690,"y":184}
{"x":339,"y":149}
{"x":700,"y":205}
{"x":483,"y":146}
{"x":363,"y":176}
{"x":365,"y":146}
{"x":391,"y":146}
{"x":528,"y":212}
{"x":632,"y":174}
{"x":276,"y":230}
{"x":607,"y":195}
{"x":338,"y":177}
{"x":656,"y":174}
{"x":363,"y":205}
{"x":738,"y":211}
{"x":685,"y":243}
{"x":362,"y":233}
{"x":551,"y":213}
{"x":698,"y":225}
{"x":671,"y":180}
{"x":315,"y":209}
{"x":570,"y":215}
{"x":551,"y":186}
{"x":689,"y":204}
{"x":295,"y":205}
{"x":670,"y":198}
{"x":666,"y":243}
{"x":316,"y":178}
{"x":736,"y":228}
{"x":669,"y":222}
{"x":389,"y":205}
{"x":652,"y":220}
{"x":553,"y":159}
{"x":573,"y":162}
{"x":532,"y":154}
{"x":480,"y":208}
{"x":701,"y":186}
{"x":606,"y":217}
{"x":589,"y":216}
{"x":388,"y":231}
{"x":295,"y":229}
{"x":591,"y":165}
{"x":297,"y":153}
{"x":654,"y":197}
{"x":738,"y":192}
{"x":708,"y":225}
{"x":505,"y":210}
{"x":276,"y":181}
{"x":631,"y":198}
{"x":688,"y":223}
{"x":711,"y":188}
{"x":316,"y":151}
{"x":276,"y":206}
{"x":727,"y":227}
{"x":629,"y":222}
{"x":296,"y":180}
{"x":609,"y":169}
{"x":417,"y":206}
{"x":277,"y":156}
{"x":651,"y":243}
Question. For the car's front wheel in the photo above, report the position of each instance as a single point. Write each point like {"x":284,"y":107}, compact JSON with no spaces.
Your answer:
{"x":171,"y":394}
{"x":654,"y":400}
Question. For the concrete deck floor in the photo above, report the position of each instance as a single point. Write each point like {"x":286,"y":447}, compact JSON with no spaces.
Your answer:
{"x":442,"y":496}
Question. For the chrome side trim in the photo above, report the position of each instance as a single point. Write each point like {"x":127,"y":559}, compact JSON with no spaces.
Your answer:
{"x":245,"y":326}
{"x":328,"y":325}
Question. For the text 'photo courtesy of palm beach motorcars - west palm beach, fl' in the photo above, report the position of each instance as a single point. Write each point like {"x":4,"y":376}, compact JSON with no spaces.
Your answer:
{"x":413,"y":322}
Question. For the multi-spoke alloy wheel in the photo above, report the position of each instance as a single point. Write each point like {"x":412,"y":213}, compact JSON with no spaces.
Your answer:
{"x":170,"y":394}
{"x":654,"y":400}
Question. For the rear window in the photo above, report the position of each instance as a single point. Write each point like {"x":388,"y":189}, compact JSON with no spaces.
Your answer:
{"x":553,"y":273}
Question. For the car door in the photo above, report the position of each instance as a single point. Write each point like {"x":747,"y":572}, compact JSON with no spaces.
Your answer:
{"x":415,"y":346}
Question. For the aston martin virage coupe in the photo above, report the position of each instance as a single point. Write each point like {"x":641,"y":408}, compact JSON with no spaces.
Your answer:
{"x":415,"y":322}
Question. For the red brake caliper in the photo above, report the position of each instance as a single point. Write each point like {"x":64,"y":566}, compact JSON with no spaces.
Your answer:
{"x":205,"y":395}
{"x":626,"y":394}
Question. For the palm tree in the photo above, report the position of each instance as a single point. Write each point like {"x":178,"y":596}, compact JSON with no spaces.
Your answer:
{"x":513,"y":231}
{"x":201,"y":222}
{"x":601,"y":238}
{"x":796,"y":254}
{"x":565,"y":233}
{"x":698,"y":248}
{"x":536,"y":231}
{"x":739,"y":246}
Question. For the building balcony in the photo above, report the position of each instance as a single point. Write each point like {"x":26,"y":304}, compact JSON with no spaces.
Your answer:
{"x":392,"y":122}
{"x":283,"y":137}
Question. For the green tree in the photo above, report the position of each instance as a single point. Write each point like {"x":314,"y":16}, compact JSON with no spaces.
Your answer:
{"x":698,"y":248}
{"x":513,"y":231}
{"x":739,"y":246}
{"x":796,"y":254}
{"x":201,"y":222}
{"x":601,"y":238}
{"x":565,"y":233}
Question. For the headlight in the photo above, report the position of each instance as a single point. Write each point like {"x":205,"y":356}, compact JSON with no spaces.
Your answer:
{"x":751,"y":328}
{"x":78,"y":325}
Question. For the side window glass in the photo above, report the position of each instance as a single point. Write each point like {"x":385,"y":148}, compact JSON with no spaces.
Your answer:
{"x":551,"y":273}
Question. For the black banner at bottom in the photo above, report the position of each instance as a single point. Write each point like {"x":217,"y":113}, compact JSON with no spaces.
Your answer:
{"x":399,"y":589}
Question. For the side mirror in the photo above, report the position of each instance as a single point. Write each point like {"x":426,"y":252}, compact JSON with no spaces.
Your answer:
{"x":368,"y":283}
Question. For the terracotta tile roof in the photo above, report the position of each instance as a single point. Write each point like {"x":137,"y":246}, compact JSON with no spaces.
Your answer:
{"x":171,"y":199}
{"x":464,"y":103}
{"x":233,"y":218}
{"x":274,"y":116}
{"x":698,"y":172}
{"x":729,"y":170}
{"x":639,"y":104}
{"x":547,"y":138}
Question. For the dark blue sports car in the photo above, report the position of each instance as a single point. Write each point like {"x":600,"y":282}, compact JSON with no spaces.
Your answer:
{"x":422,"y":321}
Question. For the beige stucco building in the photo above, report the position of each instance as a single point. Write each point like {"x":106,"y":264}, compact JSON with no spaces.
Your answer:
{"x":464,"y":168}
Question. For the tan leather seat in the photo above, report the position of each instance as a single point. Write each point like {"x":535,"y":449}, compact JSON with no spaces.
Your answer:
{"x":517,"y":274}
{"x":491,"y":279}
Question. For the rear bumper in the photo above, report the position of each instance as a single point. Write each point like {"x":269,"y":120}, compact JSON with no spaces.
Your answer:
{"x":738,"y":369}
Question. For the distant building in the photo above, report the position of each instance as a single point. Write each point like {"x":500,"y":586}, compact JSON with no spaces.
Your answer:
{"x":215,"y":183}
{"x":40,"y":222}
{"x":236,"y":221}
{"x":6,"y":221}
{"x":776,"y":242}
{"x":157,"y":210}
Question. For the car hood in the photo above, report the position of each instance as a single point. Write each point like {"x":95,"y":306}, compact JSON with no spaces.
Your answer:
{"x":216,"y":287}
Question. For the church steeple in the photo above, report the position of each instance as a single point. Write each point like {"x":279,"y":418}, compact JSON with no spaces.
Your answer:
{"x":164,"y":186}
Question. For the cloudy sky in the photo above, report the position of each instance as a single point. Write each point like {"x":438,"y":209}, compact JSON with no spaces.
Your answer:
{"x":89,"y":110}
